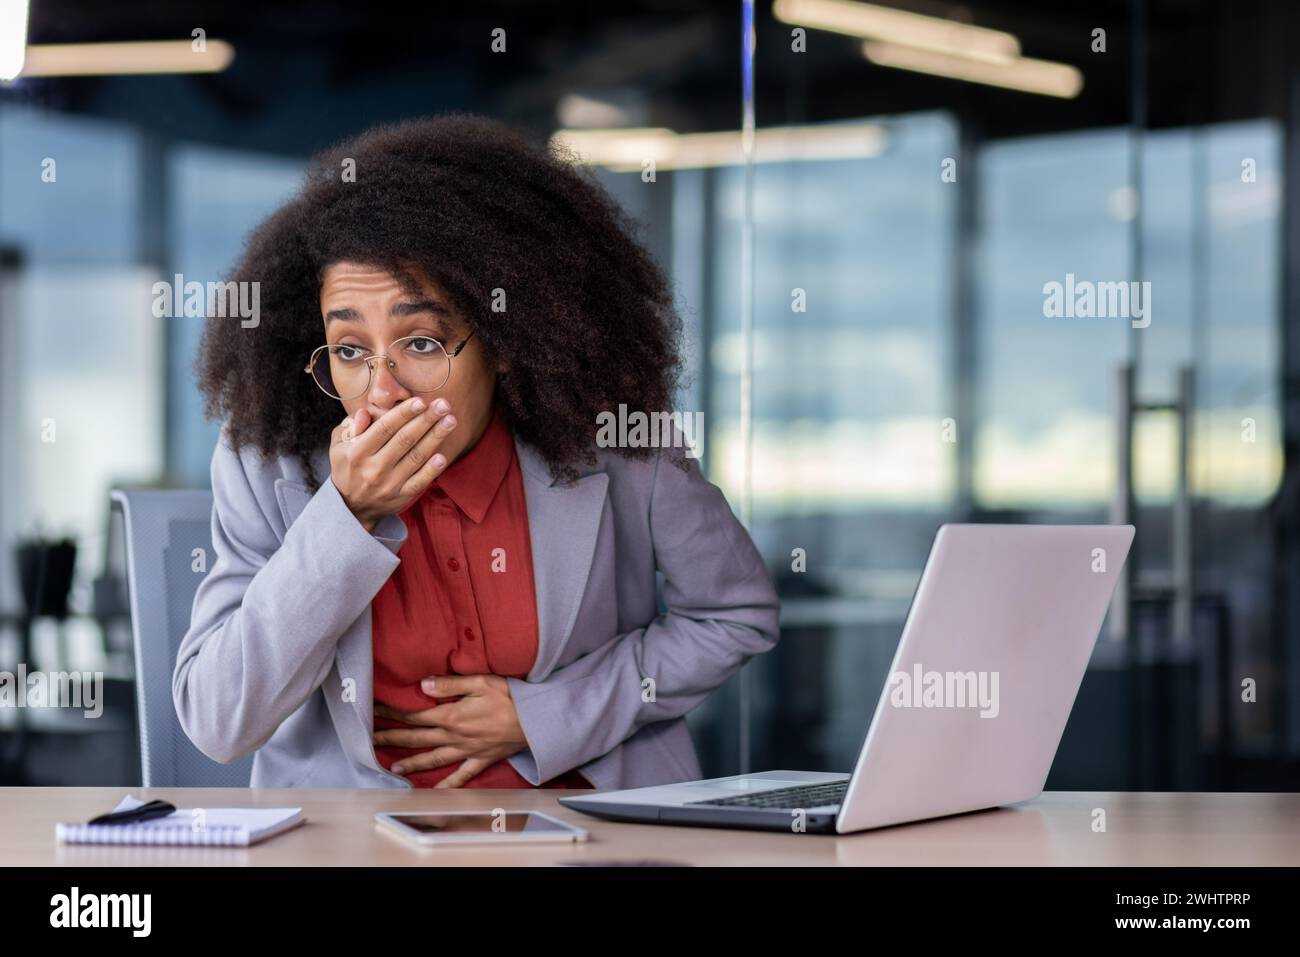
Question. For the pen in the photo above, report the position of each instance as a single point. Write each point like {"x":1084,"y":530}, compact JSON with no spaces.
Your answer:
{"x":134,"y":815}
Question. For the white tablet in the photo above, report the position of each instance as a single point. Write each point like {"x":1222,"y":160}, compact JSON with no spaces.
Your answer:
{"x":497,"y":826}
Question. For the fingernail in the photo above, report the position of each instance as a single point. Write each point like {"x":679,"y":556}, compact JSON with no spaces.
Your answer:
{"x":448,"y":422}
{"x":441,"y":407}
{"x":396,"y":769}
{"x":439,"y":461}
{"x":418,"y":405}
{"x":427,"y":684}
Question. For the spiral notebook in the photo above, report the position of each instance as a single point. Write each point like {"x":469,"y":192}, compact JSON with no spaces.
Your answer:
{"x":217,"y":827}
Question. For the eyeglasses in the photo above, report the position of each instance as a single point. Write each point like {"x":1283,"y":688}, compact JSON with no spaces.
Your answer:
{"x":418,"y":363}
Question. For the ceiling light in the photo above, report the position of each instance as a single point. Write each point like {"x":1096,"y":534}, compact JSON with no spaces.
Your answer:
{"x":1024,"y":74}
{"x":575,"y":109}
{"x":103,"y":59}
{"x":874,"y":22}
{"x":628,"y":150}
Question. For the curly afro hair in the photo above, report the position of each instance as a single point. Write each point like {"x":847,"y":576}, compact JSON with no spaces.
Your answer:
{"x":478,"y":206}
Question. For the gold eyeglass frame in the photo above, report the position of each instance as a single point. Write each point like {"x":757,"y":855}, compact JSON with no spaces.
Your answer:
{"x":370,"y":369}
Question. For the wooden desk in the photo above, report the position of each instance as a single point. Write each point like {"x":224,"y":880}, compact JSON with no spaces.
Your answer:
{"x":1143,"y":828}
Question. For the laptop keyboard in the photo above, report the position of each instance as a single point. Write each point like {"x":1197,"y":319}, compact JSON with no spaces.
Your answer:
{"x":799,"y":796}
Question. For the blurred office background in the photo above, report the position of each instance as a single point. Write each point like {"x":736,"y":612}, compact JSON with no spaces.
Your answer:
{"x":872,"y":273}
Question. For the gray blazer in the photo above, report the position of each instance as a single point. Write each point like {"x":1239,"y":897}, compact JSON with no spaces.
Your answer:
{"x":277,"y":659}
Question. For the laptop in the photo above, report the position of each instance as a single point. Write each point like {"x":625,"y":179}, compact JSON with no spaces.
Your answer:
{"x":994,"y":648}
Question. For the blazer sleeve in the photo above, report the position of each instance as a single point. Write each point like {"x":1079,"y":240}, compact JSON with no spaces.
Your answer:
{"x":721,"y":610}
{"x":268,"y":615}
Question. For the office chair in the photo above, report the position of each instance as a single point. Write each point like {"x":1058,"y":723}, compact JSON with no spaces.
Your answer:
{"x":163,"y":528}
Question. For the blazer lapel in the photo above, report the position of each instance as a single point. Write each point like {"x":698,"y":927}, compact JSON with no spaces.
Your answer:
{"x":563,"y":523}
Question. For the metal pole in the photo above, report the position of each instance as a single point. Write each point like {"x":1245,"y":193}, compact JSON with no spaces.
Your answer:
{"x":747,"y":322}
{"x":1121,"y":506}
{"x":1183,"y":567}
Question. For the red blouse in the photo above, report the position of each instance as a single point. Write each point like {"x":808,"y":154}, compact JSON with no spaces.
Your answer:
{"x":461,"y":601}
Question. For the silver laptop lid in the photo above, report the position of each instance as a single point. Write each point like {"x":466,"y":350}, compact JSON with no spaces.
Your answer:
{"x":992,"y":654}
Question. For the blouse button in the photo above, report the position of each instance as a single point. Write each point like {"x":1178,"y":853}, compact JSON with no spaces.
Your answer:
{"x":469,"y":633}
{"x":453,"y":564}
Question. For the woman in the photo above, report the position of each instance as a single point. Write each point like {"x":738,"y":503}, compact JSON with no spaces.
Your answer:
{"x":427,"y":573}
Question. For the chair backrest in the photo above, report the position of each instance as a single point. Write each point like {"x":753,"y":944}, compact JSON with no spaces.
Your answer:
{"x":163,"y":529}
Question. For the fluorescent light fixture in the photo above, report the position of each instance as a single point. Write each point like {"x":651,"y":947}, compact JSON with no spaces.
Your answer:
{"x":874,"y":22}
{"x":1024,"y":74}
{"x":575,"y":109}
{"x":105,"y":59}
{"x":13,"y":37}
{"x":627,"y":150}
